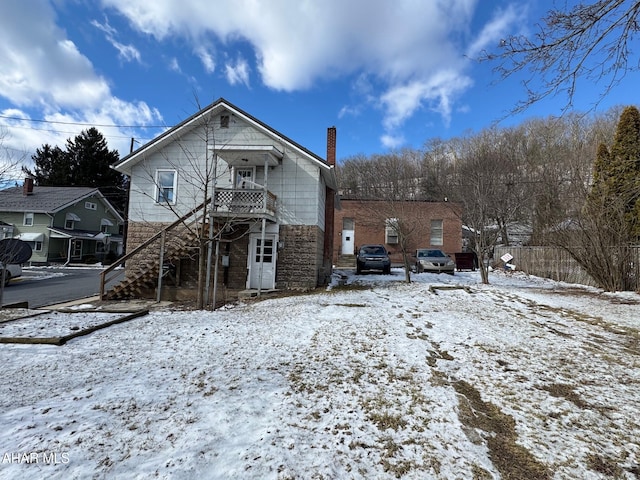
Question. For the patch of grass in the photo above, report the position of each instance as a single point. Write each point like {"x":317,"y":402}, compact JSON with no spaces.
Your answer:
{"x":513,"y":461}
{"x":606,"y":466}
{"x":562,"y":390}
{"x":386,"y":420}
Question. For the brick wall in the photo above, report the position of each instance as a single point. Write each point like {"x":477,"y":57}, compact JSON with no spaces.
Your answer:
{"x":370,"y":216}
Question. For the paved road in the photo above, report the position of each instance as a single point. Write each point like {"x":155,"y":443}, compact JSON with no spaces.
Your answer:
{"x":47,"y":286}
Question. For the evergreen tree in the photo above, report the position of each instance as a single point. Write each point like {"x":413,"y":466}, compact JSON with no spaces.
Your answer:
{"x":617,"y":173}
{"x":86,"y":162}
{"x":51,"y":167}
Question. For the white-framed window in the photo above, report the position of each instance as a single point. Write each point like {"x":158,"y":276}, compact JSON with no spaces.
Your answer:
{"x":37,"y":246}
{"x":90,"y":206}
{"x":391,"y":231}
{"x":437,"y":232}
{"x":166,"y":183}
{"x":27,"y":221}
{"x":70,"y":220}
{"x":224,"y":121}
{"x":105,"y":223}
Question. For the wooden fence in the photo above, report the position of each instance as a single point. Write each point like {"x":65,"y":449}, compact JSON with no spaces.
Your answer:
{"x":557,"y":264}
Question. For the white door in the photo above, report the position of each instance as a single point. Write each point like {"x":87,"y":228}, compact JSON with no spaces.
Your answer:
{"x":348,"y":236}
{"x":268,"y":270}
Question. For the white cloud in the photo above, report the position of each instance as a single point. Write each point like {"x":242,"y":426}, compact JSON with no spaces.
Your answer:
{"x":237,"y":72}
{"x":206,"y":58}
{"x":42,"y":73}
{"x":126,"y":52}
{"x":404,"y":45}
{"x":496,"y":29}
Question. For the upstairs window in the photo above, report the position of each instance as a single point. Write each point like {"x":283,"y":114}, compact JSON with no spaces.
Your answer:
{"x":105,"y":223}
{"x":90,"y":206}
{"x":27,"y":221}
{"x":70,"y":221}
{"x":224,"y":121}
{"x":166,"y":186}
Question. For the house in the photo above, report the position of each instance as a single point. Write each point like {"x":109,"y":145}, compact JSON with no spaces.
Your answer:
{"x":222,"y":177}
{"x":427,"y":224}
{"x":61,"y":224}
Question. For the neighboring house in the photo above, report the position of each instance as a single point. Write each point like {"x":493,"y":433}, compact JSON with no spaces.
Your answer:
{"x":61,"y":224}
{"x":431,"y":225}
{"x":273,"y":203}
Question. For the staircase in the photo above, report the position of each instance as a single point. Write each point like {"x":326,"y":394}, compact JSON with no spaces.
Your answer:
{"x":346,"y":261}
{"x":145,"y":275}
{"x":169,"y":245}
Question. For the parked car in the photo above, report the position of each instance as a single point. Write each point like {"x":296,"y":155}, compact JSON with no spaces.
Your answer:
{"x":373,"y":257}
{"x":12,"y":271}
{"x":434,"y":260}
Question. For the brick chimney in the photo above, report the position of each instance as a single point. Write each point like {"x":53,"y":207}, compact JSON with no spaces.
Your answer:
{"x":27,"y":187}
{"x":331,"y":146}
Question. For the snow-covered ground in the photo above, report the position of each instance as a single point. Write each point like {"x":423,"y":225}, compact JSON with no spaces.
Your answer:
{"x":373,"y":379}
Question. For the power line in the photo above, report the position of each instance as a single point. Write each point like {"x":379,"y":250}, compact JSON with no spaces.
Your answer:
{"x":81,"y":124}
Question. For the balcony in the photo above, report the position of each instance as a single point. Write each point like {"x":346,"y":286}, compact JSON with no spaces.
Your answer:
{"x":244,"y":203}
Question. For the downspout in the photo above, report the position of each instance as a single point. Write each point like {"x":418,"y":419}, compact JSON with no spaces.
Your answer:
{"x":68,"y":253}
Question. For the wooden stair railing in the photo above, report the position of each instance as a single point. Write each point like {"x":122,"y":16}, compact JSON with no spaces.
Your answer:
{"x":146,"y":274}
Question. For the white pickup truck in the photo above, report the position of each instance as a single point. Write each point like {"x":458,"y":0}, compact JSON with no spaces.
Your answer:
{"x":12,"y":271}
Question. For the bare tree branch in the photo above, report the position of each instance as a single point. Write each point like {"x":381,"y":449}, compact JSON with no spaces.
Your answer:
{"x":588,"y":42}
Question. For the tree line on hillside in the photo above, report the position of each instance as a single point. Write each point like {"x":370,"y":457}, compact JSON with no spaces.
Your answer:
{"x":573,"y":181}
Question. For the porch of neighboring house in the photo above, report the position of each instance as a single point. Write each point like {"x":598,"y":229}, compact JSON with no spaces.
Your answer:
{"x":79,"y":246}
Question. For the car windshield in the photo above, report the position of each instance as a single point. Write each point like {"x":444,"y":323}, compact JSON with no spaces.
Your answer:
{"x":430,"y":253}
{"x":373,"y":250}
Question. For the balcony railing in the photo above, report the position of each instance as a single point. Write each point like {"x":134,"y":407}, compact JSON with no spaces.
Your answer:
{"x":243,"y":202}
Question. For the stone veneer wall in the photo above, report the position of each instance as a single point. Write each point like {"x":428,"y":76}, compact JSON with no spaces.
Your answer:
{"x":300,"y":261}
{"x":138,"y":233}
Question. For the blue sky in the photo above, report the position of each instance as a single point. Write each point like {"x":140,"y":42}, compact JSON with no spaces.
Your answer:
{"x":387,"y":74}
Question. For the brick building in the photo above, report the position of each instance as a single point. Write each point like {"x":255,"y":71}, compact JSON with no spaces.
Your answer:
{"x":429,"y":224}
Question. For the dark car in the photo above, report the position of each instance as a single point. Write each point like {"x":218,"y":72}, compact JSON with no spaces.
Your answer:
{"x":373,"y":257}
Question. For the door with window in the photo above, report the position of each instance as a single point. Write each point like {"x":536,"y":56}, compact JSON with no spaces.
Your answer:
{"x":348,"y":236}
{"x":76,"y":248}
{"x":244,"y":178}
{"x":262,"y":271}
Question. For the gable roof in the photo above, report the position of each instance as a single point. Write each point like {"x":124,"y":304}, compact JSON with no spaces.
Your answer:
{"x":48,"y":199}
{"x":126,"y":163}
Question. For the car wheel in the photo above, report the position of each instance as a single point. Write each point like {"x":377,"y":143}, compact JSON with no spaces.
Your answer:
{"x":387,"y":270}
{"x":7,"y":279}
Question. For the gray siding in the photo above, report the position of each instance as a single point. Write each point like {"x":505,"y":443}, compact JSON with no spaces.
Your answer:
{"x":297,"y":181}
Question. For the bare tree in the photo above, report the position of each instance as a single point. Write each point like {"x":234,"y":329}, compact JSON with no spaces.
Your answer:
{"x":489,"y":185}
{"x":590,"y":41}
{"x":10,"y":164}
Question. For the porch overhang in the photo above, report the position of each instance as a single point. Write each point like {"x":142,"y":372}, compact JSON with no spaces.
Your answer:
{"x":249,"y":155}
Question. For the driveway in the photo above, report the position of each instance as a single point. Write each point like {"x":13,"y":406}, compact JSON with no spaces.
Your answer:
{"x":42,"y":286}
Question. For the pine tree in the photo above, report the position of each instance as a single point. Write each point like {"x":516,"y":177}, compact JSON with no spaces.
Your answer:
{"x":51,"y":167}
{"x":625,"y":167}
{"x":616,"y":173}
{"x":86,"y":162}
